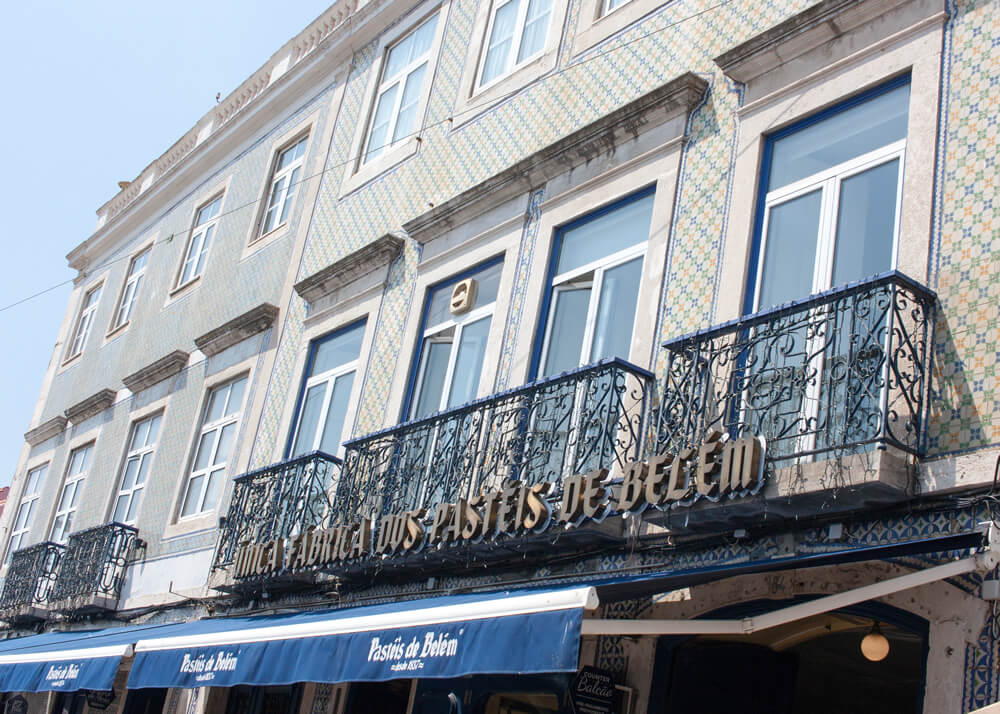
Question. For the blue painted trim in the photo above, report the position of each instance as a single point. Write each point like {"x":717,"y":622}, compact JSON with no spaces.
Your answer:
{"x":543,"y":313}
{"x":418,"y":349}
{"x":765,"y":172}
{"x":306,"y":373}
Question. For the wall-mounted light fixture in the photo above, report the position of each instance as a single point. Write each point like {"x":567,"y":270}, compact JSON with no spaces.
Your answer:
{"x":874,"y":645}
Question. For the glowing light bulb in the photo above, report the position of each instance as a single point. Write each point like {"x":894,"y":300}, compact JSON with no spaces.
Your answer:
{"x":874,"y":645}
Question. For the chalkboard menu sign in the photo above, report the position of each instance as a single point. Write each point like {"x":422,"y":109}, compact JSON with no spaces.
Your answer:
{"x":99,"y":699}
{"x":594,"y":692}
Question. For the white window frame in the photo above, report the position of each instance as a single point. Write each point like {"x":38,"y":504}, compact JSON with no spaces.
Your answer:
{"x":84,"y":321}
{"x":33,"y":480}
{"x":130,"y":290}
{"x":206,"y":427}
{"x":62,"y":522}
{"x":283,"y":205}
{"x":197,"y":236}
{"x":140,"y":454}
{"x":330,"y":378}
{"x":565,"y":281}
{"x":607,"y":8}
{"x":511,"y":65}
{"x":829,"y":181}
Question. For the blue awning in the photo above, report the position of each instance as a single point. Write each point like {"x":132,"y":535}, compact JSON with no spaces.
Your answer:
{"x":68,"y":661}
{"x":517,"y":632}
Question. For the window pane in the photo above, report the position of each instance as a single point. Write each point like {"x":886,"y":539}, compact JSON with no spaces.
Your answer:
{"x":154,"y":429}
{"x":144,"y":461}
{"x":133,"y":506}
{"x":337,"y":350}
{"x":192,"y":496}
{"x":235,"y":401}
{"x":406,"y":121}
{"x":335,"y":415}
{"x":850,"y":133}
{"x":469,"y":363}
{"x":312,"y":405}
{"x":209,"y":211}
{"x":225,"y":444}
{"x":205,"y":445}
{"x":432,"y":381}
{"x":865,"y":223}
{"x":216,"y":405}
{"x":500,"y":41}
{"x":293,"y":183}
{"x":212,"y":489}
{"x":616,"y":311}
{"x":536,"y":27}
{"x":131,"y":470}
{"x":381,"y":120}
{"x":121,"y":509}
{"x":789,"y":263}
{"x":569,"y":321}
{"x":605,"y":234}
{"x":487,"y":284}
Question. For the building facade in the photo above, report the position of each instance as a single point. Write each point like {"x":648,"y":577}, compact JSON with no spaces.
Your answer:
{"x":494,"y":356}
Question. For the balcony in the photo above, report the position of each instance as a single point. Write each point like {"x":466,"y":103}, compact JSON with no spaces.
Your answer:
{"x":277,"y":502}
{"x":836,"y":384}
{"x":93,"y":569}
{"x":30,"y":577}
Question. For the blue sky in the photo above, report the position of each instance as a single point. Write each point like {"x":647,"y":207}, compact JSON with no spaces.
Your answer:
{"x":94,"y":91}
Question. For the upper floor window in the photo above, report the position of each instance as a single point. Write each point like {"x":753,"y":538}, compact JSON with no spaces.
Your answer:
{"x":610,"y":5}
{"x":332,"y":364}
{"x":400,"y":89}
{"x":136,"y":269}
{"x":26,"y":510}
{"x":139,"y":456}
{"x":285,"y":178}
{"x":76,"y":473}
{"x":457,"y":320}
{"x":832,"y":187}
{"x":200,"y":241}
{"x":84,"y":320}
{"x":597,"y":268}
{"x":516,"y":33}
{"x":215,"y":443}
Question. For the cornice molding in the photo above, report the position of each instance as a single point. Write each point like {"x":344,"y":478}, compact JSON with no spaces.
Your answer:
{"x":156,"y":372}
{"x":94,"y":404}
{"x":809,"y":29}
{"x":238,"y":329}
{"x":601,"y":137}
{"x":46,"y":430}
{"x":351,"y":268}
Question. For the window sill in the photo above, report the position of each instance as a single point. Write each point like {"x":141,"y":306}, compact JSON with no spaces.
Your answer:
{"x":389,"y":159}
{"x":181,"y":290}
{"x":482,"y":98}
{"x":262,"y":241}
{"x":70,"y":361}
{"x":191,"y":524}
{"x":116,"y":331}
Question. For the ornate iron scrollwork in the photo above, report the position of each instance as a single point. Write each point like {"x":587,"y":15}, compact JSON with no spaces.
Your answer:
{"x":30,"y":576}
{"x":94,"y":563}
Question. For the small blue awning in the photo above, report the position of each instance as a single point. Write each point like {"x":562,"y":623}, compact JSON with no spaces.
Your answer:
{"x":503,"y":633}
{"x":68,"y":661}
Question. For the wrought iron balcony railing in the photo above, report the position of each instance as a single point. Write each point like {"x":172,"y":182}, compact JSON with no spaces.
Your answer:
{"x":93,"y":566}
{"x":30,"y":577}
{"x":581,"y":420}
{"x":840,"y":371}
{"x":278,"y":501}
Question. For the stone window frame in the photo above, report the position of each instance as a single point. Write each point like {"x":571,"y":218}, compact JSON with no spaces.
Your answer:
{"x":220,"y":189}
{"x":116,"y":328}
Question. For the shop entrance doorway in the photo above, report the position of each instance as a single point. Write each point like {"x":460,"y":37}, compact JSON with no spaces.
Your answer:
{"x":812,"y":666}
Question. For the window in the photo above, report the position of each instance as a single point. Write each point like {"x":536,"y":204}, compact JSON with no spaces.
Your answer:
{"x":202,"y":232}
{"x":136,"y":270}
{"x":215,"y":442}
{"x":330,"y":370}
{"x":76,"y":472}
{"x":26,"y":510}
{"x":400,"y":92}
{"x":141,"y":444}
{"x":84,"y":320}
{"x":456,"y":327}
{"x":285,"y":179}
{"x":597,"y":268}
{"x":610,"y":5}
{"x":517,"y":32}
{"x":833,"y":185}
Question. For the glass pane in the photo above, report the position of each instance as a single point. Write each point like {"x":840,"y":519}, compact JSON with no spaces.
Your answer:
{"x":209,"y":211}
{"x":154,"y":429}
{"x":487,"y":284}
{"x":432,"y":381}
{"x":144,"y":462}
{"x":469,"y":363}
{"x":845,"y":135}
{"x":423,"y":38}
{"x":212,"y":489}
{"x":866,"y":222}
{"x":334,"y":427}
{"x":133,"y":506}
{"x":225,"y":444}
{"x":399,"y":56}
{"x":338,"y":350}
{"x":34,"y":480}
{"x":121,"y":509}
{"x":312,"y":405}
{"x":380,"y":121}
{"x":192,"y":496}
{"x":500,"y":41}
{"x":406,"y":122}
{"x":790,"y":258}
{"x":605,"y":234}
{"x":23,"y":513}
{"x":293,"y":183}
{"x":58,"y":528}
{"x":236,"y":390}
{"x":66,"y":497}
{"x":131,"y":470}
{"x":616,"y":311}
{"x":569,"y":321}
{"x":205,"y":444}
{"x":536,"y":26}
